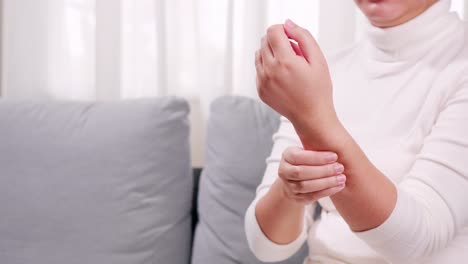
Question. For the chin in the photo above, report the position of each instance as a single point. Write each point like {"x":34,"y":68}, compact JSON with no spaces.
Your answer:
{"x":383,"y":13}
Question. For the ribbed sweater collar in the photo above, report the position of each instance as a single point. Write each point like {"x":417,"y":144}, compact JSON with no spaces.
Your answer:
{"x":413,"y":38}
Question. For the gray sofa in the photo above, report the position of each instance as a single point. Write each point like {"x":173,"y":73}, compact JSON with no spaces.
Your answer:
{"x":112,"y":183}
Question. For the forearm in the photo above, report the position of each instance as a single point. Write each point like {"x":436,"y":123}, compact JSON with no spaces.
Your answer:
{"x":280,"y":219}
{"x":369,"y":196}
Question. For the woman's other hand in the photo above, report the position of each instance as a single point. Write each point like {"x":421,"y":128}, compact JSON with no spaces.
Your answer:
{"x":306,"y":176}
{"x":294,"y":79}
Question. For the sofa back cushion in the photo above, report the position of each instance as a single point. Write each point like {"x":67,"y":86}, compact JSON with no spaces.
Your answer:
{"x":239,"y":139}
{"x":106,"y":182}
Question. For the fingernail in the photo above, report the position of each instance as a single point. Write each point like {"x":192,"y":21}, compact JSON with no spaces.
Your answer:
{"x":290,"y":24}
{"x":332,"y":157}
{"x":341,"y":179}
{"x":339,"y":168}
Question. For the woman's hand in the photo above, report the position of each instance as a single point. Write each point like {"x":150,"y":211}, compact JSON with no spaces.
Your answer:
{"x":306,"y":176}
{"x":294,"y":79}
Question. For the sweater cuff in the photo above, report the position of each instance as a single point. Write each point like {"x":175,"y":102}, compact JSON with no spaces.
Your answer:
{"x":262,"y":247}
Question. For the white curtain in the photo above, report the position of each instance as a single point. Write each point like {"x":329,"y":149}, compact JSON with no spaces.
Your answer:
{"x":114,"y":49}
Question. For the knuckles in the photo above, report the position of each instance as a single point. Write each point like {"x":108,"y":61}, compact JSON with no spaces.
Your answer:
{"x":299,"y":187}
{"x":268,"y":73}
{"x":296,"y":173}
{"x":270,"y":31}
{"x":306,"y":198}
{"x":281,"y":63}
{"x":275,"y":29}
{"x":306,"y":33}
{"x":282,"y":66}
{"x":291,"y":155}
{"x":312,"y":197}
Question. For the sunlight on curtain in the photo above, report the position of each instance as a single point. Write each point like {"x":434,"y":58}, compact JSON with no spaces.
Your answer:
{"x":139,"y":49}
{"x":51,"y":53}
{"x":186,"y":43}
{"x":197,"y":49}
{"x":209,"y":45}
{"x":71,"y":49}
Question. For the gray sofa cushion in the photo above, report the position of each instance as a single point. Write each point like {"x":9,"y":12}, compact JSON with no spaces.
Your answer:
{"x":239,"y":139}
{"x":100,"y":183}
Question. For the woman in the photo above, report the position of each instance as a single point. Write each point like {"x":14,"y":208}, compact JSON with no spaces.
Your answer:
{"x":377,"y":134}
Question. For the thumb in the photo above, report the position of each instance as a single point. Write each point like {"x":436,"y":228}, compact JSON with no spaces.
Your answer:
{"x":307,"y":43}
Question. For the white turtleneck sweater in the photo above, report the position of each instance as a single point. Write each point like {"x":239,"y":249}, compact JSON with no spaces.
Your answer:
{"x":402,"y":93}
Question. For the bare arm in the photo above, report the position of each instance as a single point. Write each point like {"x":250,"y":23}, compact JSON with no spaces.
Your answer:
{"x":369,"y":197}
{"x":304,"y":177}
{"x":280,"y":219}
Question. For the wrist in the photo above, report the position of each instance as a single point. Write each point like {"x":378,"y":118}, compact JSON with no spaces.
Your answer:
{"x":282,"y":196}
{"x":315,"y":120}
{"x":321,"y":132}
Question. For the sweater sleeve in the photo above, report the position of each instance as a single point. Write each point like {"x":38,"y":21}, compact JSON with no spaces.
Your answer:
{"x":262,"y":247}
{"x":431,"y":204}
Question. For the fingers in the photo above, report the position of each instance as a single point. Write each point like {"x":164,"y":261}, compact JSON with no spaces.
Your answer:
{"x":312,"y":197}
{"x":306,"y":41}
{"x":279,"y":42}
{"x":266,"y":52}
{"x":311,"y":175}
{"x":299,"y":156}
{"x":296,"y":49}
{"x":290,"y":172}
{"x":322,"y":176}
{"x":311,"y":186}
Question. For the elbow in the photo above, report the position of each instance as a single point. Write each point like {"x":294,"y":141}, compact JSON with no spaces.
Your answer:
{"x":265,"y":254}
{"x":422,"y":247}
{"x":435,"y":231}
{"x":417,"y":229}
{"x":433,"y":238}
{"x":261,"y":247}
